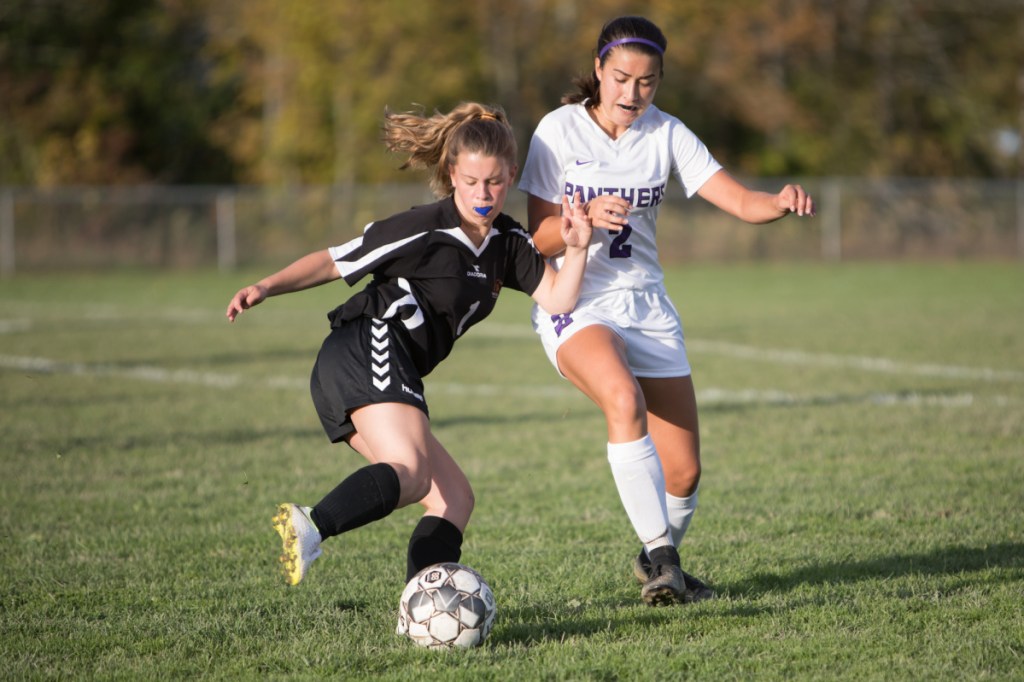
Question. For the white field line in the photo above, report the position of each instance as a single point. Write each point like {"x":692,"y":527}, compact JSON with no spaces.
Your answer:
{"x":140,"y":372}
{"x":710,"y":396}
{"x":863,"y":363}
{"x":710,"y":347}
{"x":15,"y":325}
{"x":561,"y":390}
{"x":805,"y":359}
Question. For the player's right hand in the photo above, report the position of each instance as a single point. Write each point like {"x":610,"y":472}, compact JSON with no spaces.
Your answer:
{"x":576,"y":227}
{"x":608,"y":211}
{"x":246,"y":298}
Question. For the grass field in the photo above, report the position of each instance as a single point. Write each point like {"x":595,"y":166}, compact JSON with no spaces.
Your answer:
{"x":862,"y":508}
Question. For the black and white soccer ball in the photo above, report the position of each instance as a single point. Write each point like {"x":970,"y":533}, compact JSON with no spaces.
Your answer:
{"x":446,"y":606}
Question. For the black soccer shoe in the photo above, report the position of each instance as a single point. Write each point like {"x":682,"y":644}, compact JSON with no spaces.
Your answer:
{"x":695,"y":589}
{"x":665,"y":584}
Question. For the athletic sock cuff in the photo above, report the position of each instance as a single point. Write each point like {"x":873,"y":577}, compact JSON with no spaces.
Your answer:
{"x":442,"y":529}
{"x":368,"y":494}
{"x":632,"y":451}
{"x":386,"y":478}
{"x":435,"y":540}
{"x":682,"y":503}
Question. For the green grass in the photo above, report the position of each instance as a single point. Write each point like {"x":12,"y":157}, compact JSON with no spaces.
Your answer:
{"x":861,"y":509}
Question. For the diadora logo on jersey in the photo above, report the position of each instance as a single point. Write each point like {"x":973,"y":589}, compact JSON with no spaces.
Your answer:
{"x":475,"y":272}
{"x":639,"y":197}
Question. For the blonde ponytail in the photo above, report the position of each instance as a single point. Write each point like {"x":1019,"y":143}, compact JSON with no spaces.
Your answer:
{"x":435,"y":142}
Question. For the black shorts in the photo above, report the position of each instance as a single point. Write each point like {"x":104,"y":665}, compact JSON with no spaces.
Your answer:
{"x":362,"y":363}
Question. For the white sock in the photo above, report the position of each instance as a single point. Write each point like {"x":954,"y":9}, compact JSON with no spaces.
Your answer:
{"x":680,"y":511}
{"x":641,"y":484}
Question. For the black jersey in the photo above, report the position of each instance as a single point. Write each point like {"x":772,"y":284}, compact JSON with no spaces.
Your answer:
{"x":428,"y":274}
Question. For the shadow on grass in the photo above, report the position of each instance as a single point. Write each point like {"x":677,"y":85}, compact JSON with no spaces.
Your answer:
{"x":540,"y":623}
{"x":951,"y":560}
{"x":537,"y":624}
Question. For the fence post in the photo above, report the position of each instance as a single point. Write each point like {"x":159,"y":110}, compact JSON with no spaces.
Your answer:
{"x":1020,"y":216}
{"x":831,"y":221}
{"x":6,"y":233}
{"x":226,"y":253}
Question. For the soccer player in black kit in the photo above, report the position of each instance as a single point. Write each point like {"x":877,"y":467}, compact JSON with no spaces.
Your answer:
{"x":436,"y":271}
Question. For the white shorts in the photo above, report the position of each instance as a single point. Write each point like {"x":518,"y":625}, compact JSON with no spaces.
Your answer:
{"x":646,"y":320}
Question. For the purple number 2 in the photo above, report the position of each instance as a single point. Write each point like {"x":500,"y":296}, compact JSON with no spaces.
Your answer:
{"x":619,"y":247}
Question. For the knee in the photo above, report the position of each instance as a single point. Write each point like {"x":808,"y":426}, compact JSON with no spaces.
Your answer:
{"x":682,"y":480}
{"x":414,"y":480}
{"x":624,"y":403}
{"x":450,"y":499}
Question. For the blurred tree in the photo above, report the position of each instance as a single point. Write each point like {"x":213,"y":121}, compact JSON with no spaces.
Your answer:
{"x":325,"y":71}
{"x":107,"y":92}
{"x":875,"y":87}
{"x":292,"y":91}
{"x":925,"y":85}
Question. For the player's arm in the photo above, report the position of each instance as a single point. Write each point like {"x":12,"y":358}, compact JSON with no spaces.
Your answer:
{"x":309,"y":271}
{"x":558,"y":290}
{"x":751,"y":206}
{"x":606,"y":212}
{"x":545,"y":223}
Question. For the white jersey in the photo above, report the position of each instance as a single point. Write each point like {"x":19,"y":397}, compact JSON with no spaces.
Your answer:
{"x":570,"y":153}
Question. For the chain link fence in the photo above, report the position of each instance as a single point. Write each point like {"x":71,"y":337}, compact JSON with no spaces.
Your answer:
{"x":82,"y":228}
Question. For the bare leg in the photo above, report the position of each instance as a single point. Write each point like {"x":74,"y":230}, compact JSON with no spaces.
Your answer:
{"x":672,"y":420}
{"x":450,"y":496}
{"x":594,"y":360}
{"x":423,"y":464}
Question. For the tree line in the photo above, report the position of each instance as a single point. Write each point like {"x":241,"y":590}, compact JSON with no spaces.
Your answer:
{"x":293,"y":91}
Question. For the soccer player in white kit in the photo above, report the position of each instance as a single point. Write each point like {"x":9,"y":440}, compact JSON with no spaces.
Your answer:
{"x":623,"y":344}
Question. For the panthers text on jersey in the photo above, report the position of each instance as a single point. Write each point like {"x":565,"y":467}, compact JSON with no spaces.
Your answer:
{"x":570,"y":153}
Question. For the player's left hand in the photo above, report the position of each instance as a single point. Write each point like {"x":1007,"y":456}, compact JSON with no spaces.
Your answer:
{"x":247,"y":297}
{"x":576,"y":226}
{"x":794,"y":199}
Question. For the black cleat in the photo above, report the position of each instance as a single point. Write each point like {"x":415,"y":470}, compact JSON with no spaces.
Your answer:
{"x":695,"y":590}
{"x":665,"y":584}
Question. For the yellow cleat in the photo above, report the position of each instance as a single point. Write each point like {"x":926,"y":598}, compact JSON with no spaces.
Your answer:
{"x":300,"y":541}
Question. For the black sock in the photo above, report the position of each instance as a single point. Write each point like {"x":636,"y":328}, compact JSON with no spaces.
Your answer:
{"x":369,"y":494}
{"x":434,"y":541}
{"x":664,"y":556}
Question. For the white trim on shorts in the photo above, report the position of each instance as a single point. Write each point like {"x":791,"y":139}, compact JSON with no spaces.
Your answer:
{"x":645,"y":319}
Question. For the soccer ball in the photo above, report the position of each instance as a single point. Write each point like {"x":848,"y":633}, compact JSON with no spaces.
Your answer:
{"x":446,"y":606}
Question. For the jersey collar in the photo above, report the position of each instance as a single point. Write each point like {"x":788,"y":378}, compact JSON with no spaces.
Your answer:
{"x":453,"y":220}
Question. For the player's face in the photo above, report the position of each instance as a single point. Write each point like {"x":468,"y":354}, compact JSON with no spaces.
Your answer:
{"x":481,"y":185}
{"x":628,"y":80}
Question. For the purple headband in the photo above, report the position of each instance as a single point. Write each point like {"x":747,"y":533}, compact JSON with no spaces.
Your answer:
{"x":621,"y":41}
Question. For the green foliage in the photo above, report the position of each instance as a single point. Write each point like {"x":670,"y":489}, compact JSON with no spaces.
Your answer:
{"x":860,"y":508}
{"x":107,"y":92}
{"x":285,"y":92}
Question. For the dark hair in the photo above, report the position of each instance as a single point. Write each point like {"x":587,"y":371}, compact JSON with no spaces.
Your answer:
{"x":588,"y":87}
{"x":435,"y":142}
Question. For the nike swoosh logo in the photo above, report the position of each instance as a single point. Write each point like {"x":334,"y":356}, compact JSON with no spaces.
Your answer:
{"x":583,"y":163}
